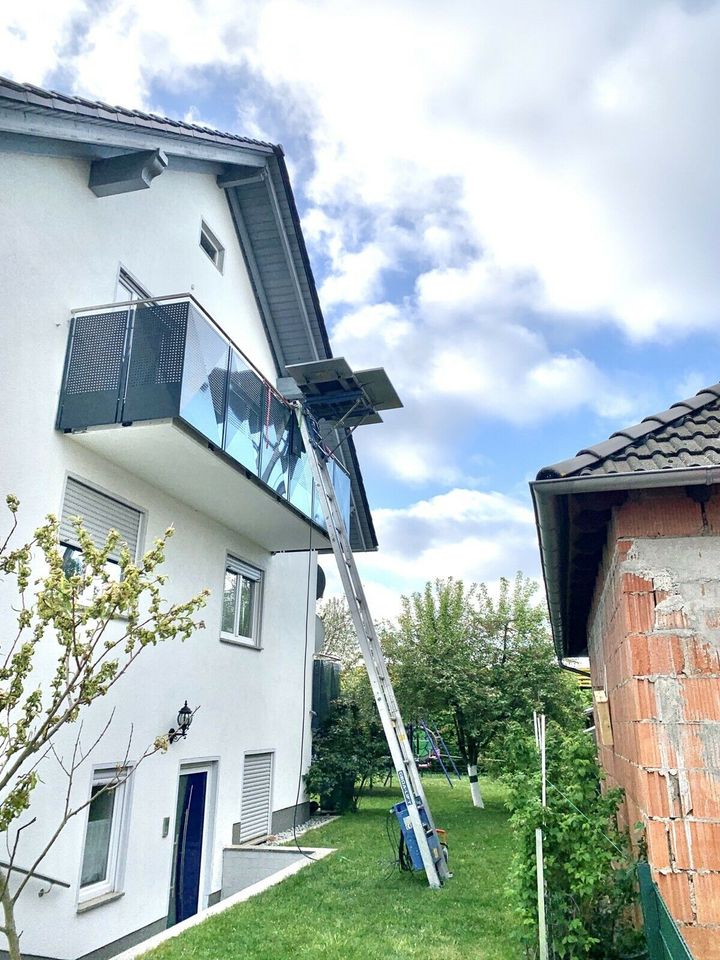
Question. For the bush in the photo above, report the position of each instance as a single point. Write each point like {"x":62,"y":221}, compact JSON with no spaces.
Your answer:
{"x":347,"y":752}
{"x":589,"y":870}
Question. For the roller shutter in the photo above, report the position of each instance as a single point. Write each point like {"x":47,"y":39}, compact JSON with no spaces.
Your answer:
{"x":99,"y":514}
{"x":256,"y":794}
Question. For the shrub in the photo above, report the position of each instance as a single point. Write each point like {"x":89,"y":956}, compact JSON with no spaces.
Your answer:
{"x":589,"y":871}
{"x":347,"y":752}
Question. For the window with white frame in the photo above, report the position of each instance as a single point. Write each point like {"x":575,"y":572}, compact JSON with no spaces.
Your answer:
{"x":212,"y":246}
{"x":242,"y":594}
{"x":105,"y":826}
{"x":99,"y":513}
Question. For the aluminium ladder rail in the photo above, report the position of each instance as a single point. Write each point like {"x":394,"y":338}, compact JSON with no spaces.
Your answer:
{"x":400,"y":748}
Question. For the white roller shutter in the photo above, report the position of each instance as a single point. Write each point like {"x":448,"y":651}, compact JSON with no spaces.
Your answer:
{"x":256,"y":795}
{"x":99,"y":514}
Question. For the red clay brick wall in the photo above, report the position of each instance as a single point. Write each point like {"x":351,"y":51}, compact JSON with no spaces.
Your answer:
{"x":654,"y":646}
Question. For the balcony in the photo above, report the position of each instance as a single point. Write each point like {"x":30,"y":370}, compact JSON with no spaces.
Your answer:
{"x":158,"y":388}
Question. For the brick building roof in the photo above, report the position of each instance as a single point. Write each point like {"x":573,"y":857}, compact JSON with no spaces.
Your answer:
{"x":686,"y":435}
{"x":574,"y":499}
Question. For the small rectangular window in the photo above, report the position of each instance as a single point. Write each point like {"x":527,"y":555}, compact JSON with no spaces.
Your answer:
{"x":241,"y":603}
{"x":212,"y":246}
{"x":102,"y":850}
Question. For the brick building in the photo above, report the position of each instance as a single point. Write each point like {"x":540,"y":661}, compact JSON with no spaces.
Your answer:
{"x":629,"y":534}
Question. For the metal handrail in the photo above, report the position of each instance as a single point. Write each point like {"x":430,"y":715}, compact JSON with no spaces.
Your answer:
{"x":34,"y":875}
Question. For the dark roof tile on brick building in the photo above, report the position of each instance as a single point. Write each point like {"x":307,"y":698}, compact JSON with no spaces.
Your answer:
{"x":685,"y":435}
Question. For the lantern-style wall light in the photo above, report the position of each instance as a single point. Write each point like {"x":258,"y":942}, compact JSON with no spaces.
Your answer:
{"x":184,"y":719}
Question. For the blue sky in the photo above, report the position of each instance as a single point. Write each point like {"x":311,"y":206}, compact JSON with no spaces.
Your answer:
{"x":513,"y":206}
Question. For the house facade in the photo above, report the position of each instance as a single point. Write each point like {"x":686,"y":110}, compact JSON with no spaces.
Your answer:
{"x":155,"y":287}
{"x":630,"y":541}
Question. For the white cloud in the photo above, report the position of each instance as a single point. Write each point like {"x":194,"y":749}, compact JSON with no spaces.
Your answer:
{"x":355,"y":277}
{"x":32,"y":36}
{"x":574,"y":148}
{"x":572,"y":154}
{"x":469,"y":534}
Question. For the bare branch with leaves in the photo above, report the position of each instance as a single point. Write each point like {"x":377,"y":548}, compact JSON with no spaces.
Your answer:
{"x":98,"y":625}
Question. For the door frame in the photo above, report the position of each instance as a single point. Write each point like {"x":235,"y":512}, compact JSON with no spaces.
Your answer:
{"x":209,"y":766}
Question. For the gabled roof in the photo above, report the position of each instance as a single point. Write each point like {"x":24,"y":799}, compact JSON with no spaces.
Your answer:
{"x":255,"y":178}
{"x":574,"y":498}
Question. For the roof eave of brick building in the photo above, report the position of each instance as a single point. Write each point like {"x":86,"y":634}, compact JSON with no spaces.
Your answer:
{"x":551,"y":500}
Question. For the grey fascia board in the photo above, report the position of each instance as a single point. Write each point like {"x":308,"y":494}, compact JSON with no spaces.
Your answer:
{"x":118,"y":134}
{"x":261,"y":296}
{"x":547,"y":529}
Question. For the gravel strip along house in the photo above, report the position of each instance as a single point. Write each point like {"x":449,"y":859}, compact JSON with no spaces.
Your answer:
{"x":629,"y":535}
{"x":156,"y":284}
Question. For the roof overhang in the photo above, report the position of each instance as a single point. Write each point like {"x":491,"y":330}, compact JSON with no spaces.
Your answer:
{"x":572,"y":516}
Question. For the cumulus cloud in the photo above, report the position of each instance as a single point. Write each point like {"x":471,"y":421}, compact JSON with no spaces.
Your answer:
{"x":469,"y":534}
{"x":569,"y":140}
{"x":571,"y":149}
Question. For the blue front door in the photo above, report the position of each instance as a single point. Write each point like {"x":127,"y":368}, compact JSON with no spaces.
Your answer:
{"x":189,"y":821}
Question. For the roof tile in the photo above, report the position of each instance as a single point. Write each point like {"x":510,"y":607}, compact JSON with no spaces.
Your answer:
{"x":686,"y":435}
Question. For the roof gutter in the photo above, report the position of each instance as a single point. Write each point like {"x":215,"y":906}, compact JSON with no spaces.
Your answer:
{"x":640,"y":480}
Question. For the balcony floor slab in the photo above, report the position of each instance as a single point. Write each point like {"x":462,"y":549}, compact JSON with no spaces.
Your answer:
{"x":168,"y":456}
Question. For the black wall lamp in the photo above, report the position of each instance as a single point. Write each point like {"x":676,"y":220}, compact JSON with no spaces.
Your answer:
{"x":184,"y":719}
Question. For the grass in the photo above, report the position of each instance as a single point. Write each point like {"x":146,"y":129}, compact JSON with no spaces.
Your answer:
{"x":355,"y":906}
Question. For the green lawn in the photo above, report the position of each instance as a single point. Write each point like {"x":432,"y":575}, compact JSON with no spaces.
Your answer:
{"x":354,"y":906}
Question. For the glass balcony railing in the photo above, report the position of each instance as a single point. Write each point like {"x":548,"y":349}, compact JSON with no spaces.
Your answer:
{"x":166,"y":358}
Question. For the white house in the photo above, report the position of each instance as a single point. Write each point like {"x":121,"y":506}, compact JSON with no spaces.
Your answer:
{"x":155,"y":286}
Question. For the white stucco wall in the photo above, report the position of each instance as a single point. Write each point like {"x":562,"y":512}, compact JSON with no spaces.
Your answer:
{"x":61,"y":247}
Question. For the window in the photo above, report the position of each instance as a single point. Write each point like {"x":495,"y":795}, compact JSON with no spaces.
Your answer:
{"x":212,"y":246}
{"x":103,"y":847}
{"x":100,"y":514}
{"x":128,"y":288}
{"x":241,"y":603}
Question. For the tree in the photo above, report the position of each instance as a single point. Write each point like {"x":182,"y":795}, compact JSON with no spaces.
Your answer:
{"x":340,"y":637}
{"x":92,"y":626}
{"x":483,"y":662}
